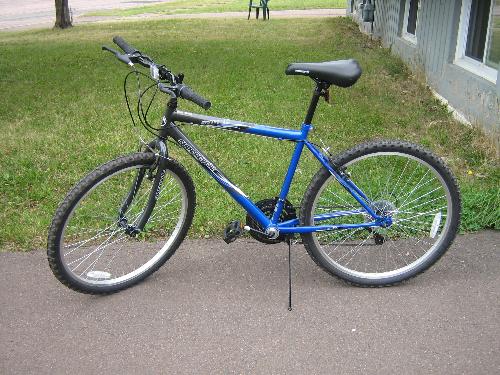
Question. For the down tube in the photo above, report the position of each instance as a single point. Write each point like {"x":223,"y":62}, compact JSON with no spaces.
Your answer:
{"x":235,"y":192}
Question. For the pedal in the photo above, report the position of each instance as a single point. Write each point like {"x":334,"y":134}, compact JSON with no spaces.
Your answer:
{"x":232,"y":231}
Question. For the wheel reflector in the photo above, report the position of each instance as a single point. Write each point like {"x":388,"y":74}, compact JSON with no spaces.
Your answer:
{"x":435,"y":225}
{"x":98,"y":275}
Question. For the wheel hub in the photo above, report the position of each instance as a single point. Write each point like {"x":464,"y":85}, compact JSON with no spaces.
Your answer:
{"x":130,"y":230}
{"x":384,"y":208}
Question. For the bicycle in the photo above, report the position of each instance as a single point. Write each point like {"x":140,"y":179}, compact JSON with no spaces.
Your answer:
{"x":375,"y":215}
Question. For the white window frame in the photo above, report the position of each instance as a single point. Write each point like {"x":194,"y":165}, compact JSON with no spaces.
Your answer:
{"x":465,"y":62}
{"x":405,"y":34}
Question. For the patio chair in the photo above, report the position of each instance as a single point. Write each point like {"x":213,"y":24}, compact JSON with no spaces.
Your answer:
{"x":262,"y":5}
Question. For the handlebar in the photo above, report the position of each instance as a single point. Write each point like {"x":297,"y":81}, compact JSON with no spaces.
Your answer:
{"x":133,"y":55}
{"x":188,"y":94}
{"x":128,"y":49}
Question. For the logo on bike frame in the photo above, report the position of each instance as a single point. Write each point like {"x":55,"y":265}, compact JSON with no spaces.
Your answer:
{"x":209,"y":166}
{"x":225,"y":124}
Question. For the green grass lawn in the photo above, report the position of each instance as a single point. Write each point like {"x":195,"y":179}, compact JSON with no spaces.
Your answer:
{"x":62,"y":113}
{"x":208,"y":6}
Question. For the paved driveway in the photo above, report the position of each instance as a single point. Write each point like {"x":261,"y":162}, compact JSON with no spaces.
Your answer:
{"x":23,"y":14}
{"x":217,"y":308}
{"x":28,"y":14}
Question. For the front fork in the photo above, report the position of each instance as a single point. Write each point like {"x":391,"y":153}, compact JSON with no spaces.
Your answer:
{"x":132,"y":229}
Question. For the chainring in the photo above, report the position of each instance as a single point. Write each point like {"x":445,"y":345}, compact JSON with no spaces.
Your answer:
{"x":267,"y":207}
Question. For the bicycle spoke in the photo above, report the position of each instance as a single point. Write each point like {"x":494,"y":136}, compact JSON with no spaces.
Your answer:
{"x":102,"y":252}
{"x":113,"y":258}
{"x":420,"y":197}
{"x":83,"y":242}
{"x":344,"y":240}
{"x":348,"y":205}
{"x":409,"y":236}
{"x":420,"y":214}
{"x":418,"y":186}
{"x":85,"y":257}
{"x":399,"y":179}
{"x":422,"y":204}
{"x":358,"y":248}
{"x":407,"y":182}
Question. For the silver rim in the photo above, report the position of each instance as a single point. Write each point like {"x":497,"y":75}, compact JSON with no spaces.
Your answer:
{"x":404,"y":186}
{"x":96,"y":251}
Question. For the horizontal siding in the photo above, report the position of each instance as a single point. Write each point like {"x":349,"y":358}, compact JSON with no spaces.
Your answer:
{"x":434,"y":35}
{"x":433,"y":55}
{"x":432,"y":46}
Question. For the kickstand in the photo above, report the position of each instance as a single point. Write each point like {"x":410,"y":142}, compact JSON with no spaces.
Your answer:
{"x":289,"y":241}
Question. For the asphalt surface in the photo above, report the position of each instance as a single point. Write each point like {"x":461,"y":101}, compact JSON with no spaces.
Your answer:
{"x":26,"y":14}
{"x":222,"y":309}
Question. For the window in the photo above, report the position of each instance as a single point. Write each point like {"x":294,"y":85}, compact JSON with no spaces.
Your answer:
{"x":478,"y":45}
{"x":492,"y":55}
{"x":410,"y":20}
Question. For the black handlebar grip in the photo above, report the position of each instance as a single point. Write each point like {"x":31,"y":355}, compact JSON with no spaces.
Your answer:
{"x":188,"y":94}
{"x":123,"y":45}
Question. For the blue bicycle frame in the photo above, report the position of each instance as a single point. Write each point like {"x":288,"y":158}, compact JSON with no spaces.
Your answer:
{"x":169,"y":129}
{"x":297,"y":136}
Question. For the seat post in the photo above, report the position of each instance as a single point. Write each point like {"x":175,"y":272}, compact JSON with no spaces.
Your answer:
{"x":318,"y":92}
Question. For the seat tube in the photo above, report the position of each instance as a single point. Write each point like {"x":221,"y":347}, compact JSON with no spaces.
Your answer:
{"x":313,"y":104}
{"x":289,"y":177}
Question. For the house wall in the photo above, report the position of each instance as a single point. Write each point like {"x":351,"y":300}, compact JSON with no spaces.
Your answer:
{"x":476,"y":98}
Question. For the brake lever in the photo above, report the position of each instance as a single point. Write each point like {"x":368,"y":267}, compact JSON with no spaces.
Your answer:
{"x":166,"y":90}
{"x":120,"y":56}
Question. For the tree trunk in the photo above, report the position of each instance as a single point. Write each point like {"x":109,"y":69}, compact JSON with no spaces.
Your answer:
{"x":63,"y":17}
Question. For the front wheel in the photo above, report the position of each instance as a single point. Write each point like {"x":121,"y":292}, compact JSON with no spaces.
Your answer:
{"x":403,"y":181}
{"x":94,"y":245}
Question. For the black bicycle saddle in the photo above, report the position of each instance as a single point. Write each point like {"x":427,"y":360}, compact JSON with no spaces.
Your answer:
{"x":343,"y":73}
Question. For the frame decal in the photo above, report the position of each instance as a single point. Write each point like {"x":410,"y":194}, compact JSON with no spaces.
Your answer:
{"x":209,"y":166}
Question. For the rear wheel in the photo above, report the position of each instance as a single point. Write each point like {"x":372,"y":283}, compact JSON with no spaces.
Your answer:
{"x":92,"y":247}
{"x":403,"y":181}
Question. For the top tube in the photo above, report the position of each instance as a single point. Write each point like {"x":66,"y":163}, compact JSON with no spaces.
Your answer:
{"x":243,"y":127}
